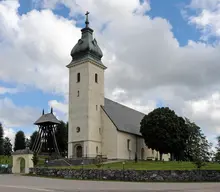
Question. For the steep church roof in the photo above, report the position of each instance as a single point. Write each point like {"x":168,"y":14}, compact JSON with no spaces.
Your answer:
{"x":87,"y":46}
{"x":48,"y":118}
{"x":124,"y":118}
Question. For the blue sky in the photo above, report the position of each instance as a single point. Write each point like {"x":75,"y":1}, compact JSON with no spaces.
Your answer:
{"x":171,"y":10}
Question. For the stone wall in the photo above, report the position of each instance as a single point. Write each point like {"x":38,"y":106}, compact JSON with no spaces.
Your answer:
{"x":131,"y":175}
{"x":6,"y":170}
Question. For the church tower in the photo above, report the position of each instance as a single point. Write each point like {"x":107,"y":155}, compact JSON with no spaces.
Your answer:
{"x":86,"y":95}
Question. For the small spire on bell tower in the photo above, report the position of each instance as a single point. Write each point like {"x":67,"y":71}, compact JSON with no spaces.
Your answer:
{"x":51,"y":111}
{"x":43,"y":112}
{"x":87,"y":19}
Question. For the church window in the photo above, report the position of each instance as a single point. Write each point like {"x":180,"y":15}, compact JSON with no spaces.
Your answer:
{"x":96,"y":78}
{"x":129,"y":144}
{"x":97,"y":150}
{"x":96,"y":107}
{"x":78,"y":77}
{"x":78,"y":129}
{"x":77,"y":93}
{"x":100,"y":131}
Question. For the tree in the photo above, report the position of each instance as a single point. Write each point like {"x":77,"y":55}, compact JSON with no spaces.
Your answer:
{"x":35,"y":159}
{"x":201,"y":154}
{"x":27,"y":143}
{"x":165,"y":132}
{"x":19,"y":141}
{"x":193,"y":138}
{"x":198,"y":148}
{"x":62,"y":137}
{"x":33,"y":139}
{"x":1,"y":140}
{"x":217,"y":154}
{"x":7,"y":146}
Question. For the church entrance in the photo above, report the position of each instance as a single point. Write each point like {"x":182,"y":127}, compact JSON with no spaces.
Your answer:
{"x":79,"y":151}
{"x":22,"y":164}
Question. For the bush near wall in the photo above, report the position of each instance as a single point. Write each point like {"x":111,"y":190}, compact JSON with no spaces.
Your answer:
{"x":131,"y":175}
{"x":5,"y":160}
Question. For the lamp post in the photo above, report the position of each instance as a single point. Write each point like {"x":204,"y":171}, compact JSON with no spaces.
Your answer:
{"x":46,"y":163}
{"x":82,"y":168}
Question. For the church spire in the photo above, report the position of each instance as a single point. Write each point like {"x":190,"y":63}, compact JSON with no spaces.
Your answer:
{"x":87,"y":47}
{"x":87,"y":19}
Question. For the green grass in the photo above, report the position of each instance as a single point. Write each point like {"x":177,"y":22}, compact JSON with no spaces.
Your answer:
{"x":41,"y":161}
{"x":141,"y":165}
{"x":5,"y":160}
{"x":148,"y":165}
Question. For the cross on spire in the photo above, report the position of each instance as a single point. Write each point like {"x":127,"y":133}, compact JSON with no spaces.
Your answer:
{"x":87,"y":19}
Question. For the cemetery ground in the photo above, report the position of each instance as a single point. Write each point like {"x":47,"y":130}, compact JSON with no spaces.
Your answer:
{"x":18,"y":183}
{"x":148,"y":165}
{"x":140,"y":165}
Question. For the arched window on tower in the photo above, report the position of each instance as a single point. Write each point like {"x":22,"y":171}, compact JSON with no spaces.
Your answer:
{"x":96,"y":78}
{"x":78,"y":129}
{"x":78,"y":77}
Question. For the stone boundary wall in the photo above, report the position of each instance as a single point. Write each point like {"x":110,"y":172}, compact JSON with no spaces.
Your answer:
{"x":5,"y":170}
{"x":131,"y":175}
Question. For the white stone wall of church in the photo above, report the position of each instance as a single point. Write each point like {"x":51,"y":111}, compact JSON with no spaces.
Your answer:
{"x":109,"y":137}
{"x":141,"y":144}
{"x":124,"y":153}
{"x":70,"y":150}
{"x":78,"y":105}
{"x":92,"y":148}
{"x":84,"y":110}
{"x":95,"y":99}
{"x":136,"y":144}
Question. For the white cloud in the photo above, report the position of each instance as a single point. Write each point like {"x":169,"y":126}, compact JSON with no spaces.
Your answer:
{"x":15,"y":116}
{"x":60,"y":109}
{"x":10,"y":133}
{"x":36,"y":56}
{"x":10,"y":90}
{"x":12,"y":116}
{"x":4,"y":90}
{"x":203,"y":4}
{"x":59,"y":106}
{"x":145,"y":62}
{"x":206,"y":111}
{"x":207,"y":18}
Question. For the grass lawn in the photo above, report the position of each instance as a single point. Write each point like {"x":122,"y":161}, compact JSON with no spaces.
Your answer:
{"x":141,"y":165}
{"x":148,"y":165}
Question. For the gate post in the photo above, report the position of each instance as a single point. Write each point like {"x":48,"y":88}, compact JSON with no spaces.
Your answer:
{"x":27,"y":155}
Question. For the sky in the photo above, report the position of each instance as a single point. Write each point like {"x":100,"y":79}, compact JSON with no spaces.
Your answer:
{"x":158,"y":53}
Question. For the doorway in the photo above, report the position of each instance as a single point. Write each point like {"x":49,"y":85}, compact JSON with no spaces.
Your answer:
{"x":79,"y":151}
{"x":22,"y":164}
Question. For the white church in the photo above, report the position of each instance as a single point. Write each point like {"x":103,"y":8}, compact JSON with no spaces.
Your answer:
{"x":97,"y":125}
